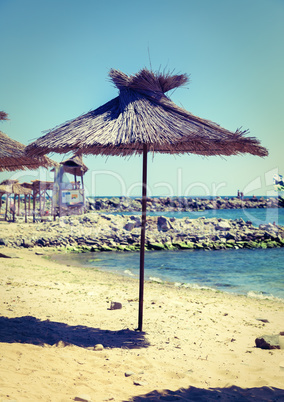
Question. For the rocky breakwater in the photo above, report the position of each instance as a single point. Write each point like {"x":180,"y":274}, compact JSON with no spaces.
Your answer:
{"x":106,"y":232}
{"x":123,"y":204}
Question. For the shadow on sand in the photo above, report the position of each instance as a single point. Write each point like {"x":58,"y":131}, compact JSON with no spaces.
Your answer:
{"x":34,"y":331}
{"x":233,"y":393}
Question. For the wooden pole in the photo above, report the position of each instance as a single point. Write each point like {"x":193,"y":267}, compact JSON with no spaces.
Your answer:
{"x":26,"y":219}
{"x":40,"y":201}
{"x":7,"y":204}
{"x":44,"y":198}
{"x":142,"y":244}
{"x":14,"y":208}
{"x":61,"y":171}
{"x":34,"y":203}
{"x":83,"y":192}
{"x":19,"y":199}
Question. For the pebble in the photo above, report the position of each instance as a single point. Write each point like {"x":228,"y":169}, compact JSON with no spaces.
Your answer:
{"x":61,"y":344}
{"x":139,"y":383}
{"x":98,"y":347}
{"x":83,"y":398}
{"x":129,"y":373}
{"x":8,"y":255}
{"x":115,"y":306}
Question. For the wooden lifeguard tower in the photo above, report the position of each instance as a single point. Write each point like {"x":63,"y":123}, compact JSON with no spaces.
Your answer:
{"x":69,"y":196}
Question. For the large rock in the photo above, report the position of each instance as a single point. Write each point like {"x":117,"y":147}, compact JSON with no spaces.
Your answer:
{"x":8,"y":255}
{"x":268,"y":342}
{"x":163,"y":224}
{"x":129,"y":225}
{"x":115,"y":202}
{"x":2,"y":242}
{"x":231,"y":236}
{"x":156,"y":246}
{"x":223,"y":225}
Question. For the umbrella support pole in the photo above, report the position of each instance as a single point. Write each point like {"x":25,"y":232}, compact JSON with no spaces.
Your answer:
{"x":142,"y":244}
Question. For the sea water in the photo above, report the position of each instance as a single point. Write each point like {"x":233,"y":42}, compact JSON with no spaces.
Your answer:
{"x":253,"y":272}
{"x":257,"y":216}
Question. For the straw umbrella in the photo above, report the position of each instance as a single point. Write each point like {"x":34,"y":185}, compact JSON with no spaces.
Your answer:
{"x":9,"y":187}
{"x":13,"y":157}
{"x":3,"y":116}
{"x":12,"y":154}
{"x":143,"y":119}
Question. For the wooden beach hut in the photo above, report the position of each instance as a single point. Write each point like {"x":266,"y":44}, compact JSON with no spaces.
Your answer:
{"x":142,"y":119}
{"x":15,"y":189}
{"x":13,"y":157}
{"x":41,"y":191}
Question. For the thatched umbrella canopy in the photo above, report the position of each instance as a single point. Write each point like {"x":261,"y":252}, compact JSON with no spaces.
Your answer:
{"x":75,"y":165}
{"x":9,"y":187}
{"x":3,"y":116}
{"x":14,"y":187}
{"x":143,"y":119}
{"x":13,"y":156}
{"x":142,"y":114}
{"x":5,"y":189}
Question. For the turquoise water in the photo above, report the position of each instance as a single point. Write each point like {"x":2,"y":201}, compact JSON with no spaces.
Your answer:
{"x":254,"y":272}
{"x":256,"y":215}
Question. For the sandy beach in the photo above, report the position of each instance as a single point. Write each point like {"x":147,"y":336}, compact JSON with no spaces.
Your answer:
{"x":60,"y":341}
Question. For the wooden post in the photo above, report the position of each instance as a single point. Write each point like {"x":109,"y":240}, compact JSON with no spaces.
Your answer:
{"x":61,"y":171}
{"x":19,"y":199}
{"x":7,"y":203}
{"x":29,"y":205}
{"x":34,"y":203}
{"x":14,"y":208}
{"x":83,"y":192}
{"x":26,"y":219}
{"x":142,"y":243}
{"x":40,"y":207}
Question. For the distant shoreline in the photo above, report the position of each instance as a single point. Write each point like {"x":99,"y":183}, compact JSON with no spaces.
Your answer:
{"x":200,"y":197}
{"x":167,"y":204}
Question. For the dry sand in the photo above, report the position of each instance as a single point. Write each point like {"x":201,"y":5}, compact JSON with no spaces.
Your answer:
{"x":197,"y":345}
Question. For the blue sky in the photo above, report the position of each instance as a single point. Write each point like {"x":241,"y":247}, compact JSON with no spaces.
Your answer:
{"x":55,"y":59}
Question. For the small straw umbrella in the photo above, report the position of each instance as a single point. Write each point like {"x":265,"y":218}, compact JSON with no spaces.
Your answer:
{"x":14,"y":187}
{"x":143,"y":119}
{"x":13,"y":157}
{"x":3,"y":116}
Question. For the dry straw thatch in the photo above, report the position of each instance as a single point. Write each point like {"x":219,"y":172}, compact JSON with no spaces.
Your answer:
{"x":13,"y":156}
{"x":3,"y":116}
{"x":143,"y":114}
{"x":4,"y":189}
{"x":75,"y":165}
{"x":14,"y":187}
